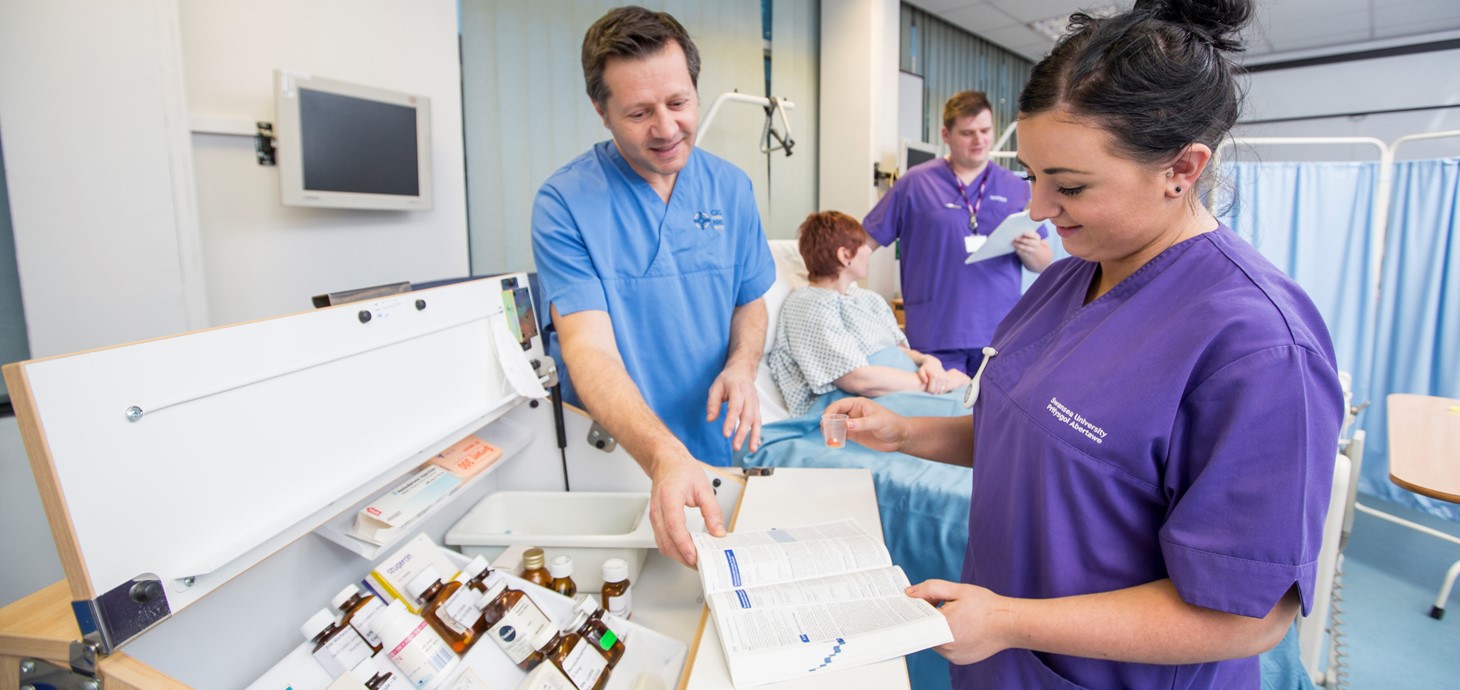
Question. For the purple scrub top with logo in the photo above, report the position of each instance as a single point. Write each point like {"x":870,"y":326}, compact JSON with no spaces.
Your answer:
{"x":1183,"y":425}
{"x":949,"y":305}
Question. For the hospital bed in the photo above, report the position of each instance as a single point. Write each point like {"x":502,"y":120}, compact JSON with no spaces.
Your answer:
{"x":924,"y":508}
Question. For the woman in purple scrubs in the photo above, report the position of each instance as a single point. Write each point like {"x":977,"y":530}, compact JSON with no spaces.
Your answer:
{"x":1156,"y":423}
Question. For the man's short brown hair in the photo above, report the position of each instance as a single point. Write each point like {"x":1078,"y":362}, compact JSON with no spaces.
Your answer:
{"x":965,"y":104}
{"x":632,"y":33}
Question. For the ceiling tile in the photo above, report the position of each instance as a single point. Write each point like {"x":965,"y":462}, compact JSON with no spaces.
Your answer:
{"x":980,"y":18}
{"x":1286,"y":11}
{"x":939,"y":7}
{"x":1033,"y":10}
{"x":1326,"y":40}
{"x":1351,"y":26}
{"x":1423,"y":16}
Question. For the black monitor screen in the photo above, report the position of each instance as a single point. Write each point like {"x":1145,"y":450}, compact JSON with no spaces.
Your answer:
{"x":357,"y":145}
{"x":916,"y":157}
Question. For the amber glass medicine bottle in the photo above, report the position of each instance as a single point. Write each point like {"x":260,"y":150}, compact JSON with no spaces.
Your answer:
{"x":617,"y":598}
{"x":596,"y":631}
{"x":337,"y":647}
{"x":358,"y":610}
{"x":513,"y":621}
{"x":534,"y":570}
{"x":575,"y":656}
{"x":561,"y":569}
{"x":448,"y":608}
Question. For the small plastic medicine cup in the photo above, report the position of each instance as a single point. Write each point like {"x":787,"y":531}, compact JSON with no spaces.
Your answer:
{"x":834,"y":430}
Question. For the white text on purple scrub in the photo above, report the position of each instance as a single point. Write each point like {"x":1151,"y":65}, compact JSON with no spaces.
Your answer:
{"x":1075,"y":420}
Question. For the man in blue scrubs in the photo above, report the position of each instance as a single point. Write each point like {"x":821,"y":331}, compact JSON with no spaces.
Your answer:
{"x":652,"y":258}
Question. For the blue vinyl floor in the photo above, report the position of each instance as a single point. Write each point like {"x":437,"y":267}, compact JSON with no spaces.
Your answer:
{"x":1390,"y":579}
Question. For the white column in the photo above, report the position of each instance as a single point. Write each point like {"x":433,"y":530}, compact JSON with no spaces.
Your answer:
{"x":859,"y":67}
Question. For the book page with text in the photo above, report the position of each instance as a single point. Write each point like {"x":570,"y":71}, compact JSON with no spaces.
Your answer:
{"x":753,"y":559}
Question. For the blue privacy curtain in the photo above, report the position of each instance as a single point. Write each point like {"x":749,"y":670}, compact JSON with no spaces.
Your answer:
{"x":1417,"y":346}
{"x":1313,"y":220}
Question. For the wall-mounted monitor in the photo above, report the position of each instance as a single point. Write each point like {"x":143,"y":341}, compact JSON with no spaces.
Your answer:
{"x":914,"y":153}
{"x":342,"y":145}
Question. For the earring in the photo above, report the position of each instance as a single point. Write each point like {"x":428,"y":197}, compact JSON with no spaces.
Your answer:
{"x":1178,"y":190}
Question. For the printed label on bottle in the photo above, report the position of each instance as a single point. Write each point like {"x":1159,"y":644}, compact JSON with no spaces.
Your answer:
{"x":584,"y":665}
{"x":360,"y":621}
{"x":342,"y":653}
{"x":422,"y":655}
{"x":519,"y":625}
{"x":620,"y":605}
{"x":461,"y":610}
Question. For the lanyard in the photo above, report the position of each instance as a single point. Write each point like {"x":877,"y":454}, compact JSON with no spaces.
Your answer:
{"x":963,"y":192}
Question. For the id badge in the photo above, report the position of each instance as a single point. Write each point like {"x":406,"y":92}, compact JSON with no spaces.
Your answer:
{"x":973,"y":242}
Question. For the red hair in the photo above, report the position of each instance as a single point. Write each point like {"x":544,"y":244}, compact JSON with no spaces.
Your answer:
{"x":821,"y":235}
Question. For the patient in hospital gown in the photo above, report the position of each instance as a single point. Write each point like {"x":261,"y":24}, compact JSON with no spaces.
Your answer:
{"x":834,"y":335}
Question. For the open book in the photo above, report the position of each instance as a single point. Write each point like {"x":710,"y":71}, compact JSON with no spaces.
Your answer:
{"x":794,"y":602}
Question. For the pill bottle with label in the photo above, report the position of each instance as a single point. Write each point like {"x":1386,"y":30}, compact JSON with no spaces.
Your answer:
{"x":598,"y":632}
{"x":337,"y":647}
{"x":561,"y":569}
{"x":618,"y":599}
{"x":376,"y":678}
{"x":448,"y":607}
{"x":474,"y":575}
{"x":414,"y":647}
{"x":358,"y":609}
{"x":513,"y":621}
{"x":576,"y":657}
{"x":534,"y":570}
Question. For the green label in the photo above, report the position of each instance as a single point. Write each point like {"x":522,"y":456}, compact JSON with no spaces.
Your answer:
{"x":606,"y":642}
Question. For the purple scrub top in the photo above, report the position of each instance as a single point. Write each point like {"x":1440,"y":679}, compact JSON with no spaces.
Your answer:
{"x":949,"y":305}
{"x":1183,"y":425}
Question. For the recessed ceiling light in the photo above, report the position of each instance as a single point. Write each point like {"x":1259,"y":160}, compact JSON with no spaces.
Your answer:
{"x":1056,"y":27}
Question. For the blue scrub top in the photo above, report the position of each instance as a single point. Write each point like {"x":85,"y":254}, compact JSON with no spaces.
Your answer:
{"x":949,"y":305}
{"x":669,"y":275}
{"x":1183,"y":425}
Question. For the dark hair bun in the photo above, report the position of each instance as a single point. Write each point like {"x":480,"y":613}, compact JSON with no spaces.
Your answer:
{"x":1218,"y":21}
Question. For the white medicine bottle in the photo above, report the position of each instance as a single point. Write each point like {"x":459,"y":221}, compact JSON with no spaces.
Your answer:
{"x":414,"y":647}
{"x":337,"y":647}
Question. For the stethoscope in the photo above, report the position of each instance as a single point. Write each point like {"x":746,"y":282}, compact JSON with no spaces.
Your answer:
{"x":971,"y":395}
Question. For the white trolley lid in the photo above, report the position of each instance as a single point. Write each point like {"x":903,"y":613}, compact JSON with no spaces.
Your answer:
{"x":168,"y":467}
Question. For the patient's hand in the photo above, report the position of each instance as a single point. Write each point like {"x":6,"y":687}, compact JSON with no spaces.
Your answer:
{"x":936,"y":379}
{"x":870,"y":424}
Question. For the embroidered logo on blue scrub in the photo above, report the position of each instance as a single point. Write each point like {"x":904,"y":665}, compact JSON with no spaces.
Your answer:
{"x":712,"y":220}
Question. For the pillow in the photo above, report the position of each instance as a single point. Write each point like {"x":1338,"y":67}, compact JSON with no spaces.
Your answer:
{"x":790,"y":274}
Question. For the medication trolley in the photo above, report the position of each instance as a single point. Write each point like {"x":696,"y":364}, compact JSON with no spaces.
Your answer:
{"x":202,"y":488}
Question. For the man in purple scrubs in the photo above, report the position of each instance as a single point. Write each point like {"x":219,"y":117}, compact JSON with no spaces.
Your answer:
{"x":941,"y":211}
{"x":1155,"y":426}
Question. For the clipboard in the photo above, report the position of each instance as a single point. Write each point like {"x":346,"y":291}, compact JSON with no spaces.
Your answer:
{"x":1001,"y":241}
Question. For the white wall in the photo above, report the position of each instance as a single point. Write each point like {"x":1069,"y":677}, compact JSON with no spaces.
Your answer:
{"x":261,"y":258}
{"x":98,"y":171}
{"x":1420,"y":80}
{"x":859,"y":58}
{"x":528,"y":114}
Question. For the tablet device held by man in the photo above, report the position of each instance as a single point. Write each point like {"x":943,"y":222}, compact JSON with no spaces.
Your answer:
{"x":1001,"y":240}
